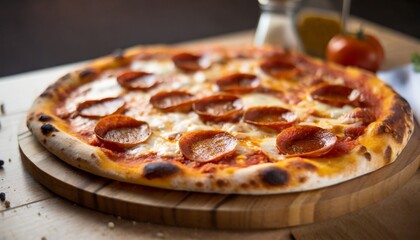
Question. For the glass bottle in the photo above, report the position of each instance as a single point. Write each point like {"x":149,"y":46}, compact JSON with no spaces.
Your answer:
{"x":276,"y":24}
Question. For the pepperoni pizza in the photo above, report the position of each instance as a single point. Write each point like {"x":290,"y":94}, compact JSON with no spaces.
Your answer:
{"x":244,"y":119}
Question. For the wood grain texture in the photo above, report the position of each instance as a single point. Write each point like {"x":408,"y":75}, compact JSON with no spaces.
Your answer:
{"x":19,"y":187}
{"x":394,"y":217}
{"x":188,"y":209}
{"x":56,"y":218}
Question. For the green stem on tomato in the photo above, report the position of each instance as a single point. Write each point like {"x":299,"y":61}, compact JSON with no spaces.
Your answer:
{"x":360,"y":33}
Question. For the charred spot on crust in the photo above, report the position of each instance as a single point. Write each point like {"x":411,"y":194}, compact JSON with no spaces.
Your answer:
{"x":367,"y":155}
{"x":302,"y":179}
{"x":253,"y":183}
{"x":274,"y":176}
{"x":44,"y":118}
{"x":118,"y":54}
{"x":388,"y":154}
{"x":48,"y":128}
{"x":120,"y":58}
{"x":362,"y":149}
{"x":159,"y":170}
{"x":88,"y":72}
{"x":46,"y":93}
{"x":383,"y":129}
{"x":199,"y":184}
{"x":31,"y":116}
{"x":397,"y":122}
{"x":303,"y":165}
{"x":222,"y":182}
{"x":57,"y":89}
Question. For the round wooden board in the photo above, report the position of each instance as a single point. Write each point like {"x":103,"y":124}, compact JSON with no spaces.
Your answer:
{"x":189,"y":209}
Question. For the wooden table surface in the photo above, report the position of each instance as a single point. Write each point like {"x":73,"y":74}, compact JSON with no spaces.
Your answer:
{"x":37,"y":213}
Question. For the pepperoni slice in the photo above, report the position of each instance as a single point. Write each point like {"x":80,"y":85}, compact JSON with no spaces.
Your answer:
{"x":341,"y":147}
{"x":137,"y":80}
{"x":354,"y":132}
{"x":276,"y":118}
{"x":207,"y":146}
{"x":359,"y":114}
{"x":219,"y":108}
{"x":279,"y":68}
{"x":100,"y":108}
{"x":238,"y":82}
{"x":336,"y":95}
{"x":172,"y":101}
{"x":189,"y":62}
{"x":119,"y":131}
{"x":305,"y":141}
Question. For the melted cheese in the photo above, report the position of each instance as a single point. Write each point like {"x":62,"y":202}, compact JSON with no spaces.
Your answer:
{"x":305,"y":106}
{"x":153,"y":66}
{"x":268,"y":145}
{"x":257,"y":99}
{"x":158,"y":145}
{"x":201,"y":83}
{"x":99,"y":89}
{"x":168,"y":124}
{"x":104,"y":88}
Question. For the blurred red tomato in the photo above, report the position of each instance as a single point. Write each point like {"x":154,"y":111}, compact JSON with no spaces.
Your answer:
{"x":359,"y":50}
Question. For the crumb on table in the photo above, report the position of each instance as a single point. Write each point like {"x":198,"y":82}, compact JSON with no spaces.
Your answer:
{"x":2,"y":196}
{"x":111,"y":225}
{"x":2,"y":111}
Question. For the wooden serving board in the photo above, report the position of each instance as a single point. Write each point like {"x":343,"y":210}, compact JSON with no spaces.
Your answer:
{"x":188,"y":209}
